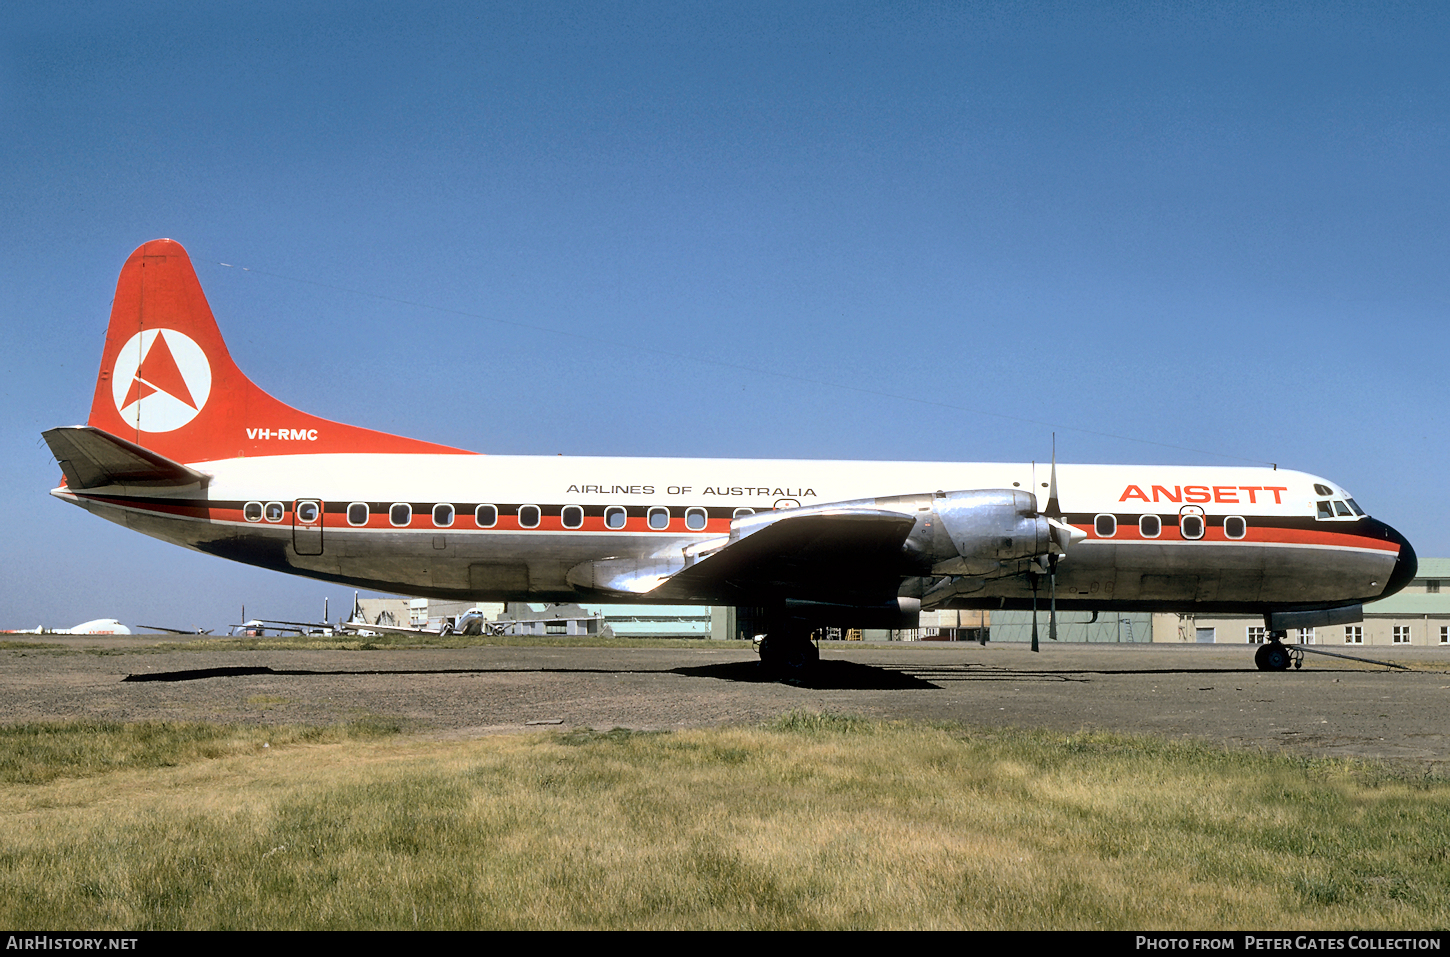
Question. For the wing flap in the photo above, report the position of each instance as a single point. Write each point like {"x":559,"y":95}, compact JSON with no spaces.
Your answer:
{"x":91,"y":458}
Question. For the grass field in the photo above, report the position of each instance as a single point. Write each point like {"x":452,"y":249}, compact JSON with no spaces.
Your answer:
{"x":815,"y":821}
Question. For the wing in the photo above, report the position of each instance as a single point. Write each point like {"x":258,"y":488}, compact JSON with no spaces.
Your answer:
{"x":849,"y":555}
{"x":385,"y":629}
{"x":91,"y":458}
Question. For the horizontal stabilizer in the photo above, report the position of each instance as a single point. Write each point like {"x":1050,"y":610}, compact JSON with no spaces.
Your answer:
{"x":91,"y":458}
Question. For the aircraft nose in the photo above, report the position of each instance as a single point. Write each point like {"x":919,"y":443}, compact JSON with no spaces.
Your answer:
{"x":1405,"y":566}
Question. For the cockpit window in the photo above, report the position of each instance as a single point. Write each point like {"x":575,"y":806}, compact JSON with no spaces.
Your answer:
{"x":1341,"y":509}
{"x":1325,"y":510}
{"x":1357,"y":510}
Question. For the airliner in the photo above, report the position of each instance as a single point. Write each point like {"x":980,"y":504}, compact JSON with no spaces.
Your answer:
{"x":97,"y":626}
{"x":182,"y":446}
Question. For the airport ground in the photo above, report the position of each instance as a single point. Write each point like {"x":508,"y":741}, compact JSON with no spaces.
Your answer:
{"x":1330,"y":708}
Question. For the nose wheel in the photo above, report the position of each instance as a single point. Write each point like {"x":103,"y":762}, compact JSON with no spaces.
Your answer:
{"x":1274,"y":655}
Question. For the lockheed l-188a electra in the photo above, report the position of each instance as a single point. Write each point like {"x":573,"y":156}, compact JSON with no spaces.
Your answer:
{"x":182,"y":446}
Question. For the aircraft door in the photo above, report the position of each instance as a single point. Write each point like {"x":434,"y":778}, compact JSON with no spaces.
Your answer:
{"x":307,"y":526}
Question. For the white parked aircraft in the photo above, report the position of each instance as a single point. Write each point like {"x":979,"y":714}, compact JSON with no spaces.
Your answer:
{"x":97,"y":626}
{"x":181,"y":445}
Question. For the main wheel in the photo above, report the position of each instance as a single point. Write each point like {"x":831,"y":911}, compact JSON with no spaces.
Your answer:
{"x":1272,"y":657}
{"x":788,"y":655}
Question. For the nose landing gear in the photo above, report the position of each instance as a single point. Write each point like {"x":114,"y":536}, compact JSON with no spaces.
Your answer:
{"x":1274,"y":655}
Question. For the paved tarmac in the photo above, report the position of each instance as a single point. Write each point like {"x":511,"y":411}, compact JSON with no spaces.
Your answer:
{"x":1212,"y":692}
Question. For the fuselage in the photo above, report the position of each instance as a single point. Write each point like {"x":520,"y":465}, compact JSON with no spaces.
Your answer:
{"x":498,"y":527}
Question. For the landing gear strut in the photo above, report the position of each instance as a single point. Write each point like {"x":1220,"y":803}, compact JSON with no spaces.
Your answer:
{"x":1274,"y":655}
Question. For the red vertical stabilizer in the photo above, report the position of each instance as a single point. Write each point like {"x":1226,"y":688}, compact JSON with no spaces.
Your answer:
{"x":168,"y":383}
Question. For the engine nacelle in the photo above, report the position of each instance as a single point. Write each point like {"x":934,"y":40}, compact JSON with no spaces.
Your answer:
{"x":981,"y":533}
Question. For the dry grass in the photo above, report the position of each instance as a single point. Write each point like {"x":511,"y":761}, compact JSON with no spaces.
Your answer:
{"x":815,"y":821}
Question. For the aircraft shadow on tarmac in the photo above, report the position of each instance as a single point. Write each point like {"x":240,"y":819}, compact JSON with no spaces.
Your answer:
{"x":830,"y":675}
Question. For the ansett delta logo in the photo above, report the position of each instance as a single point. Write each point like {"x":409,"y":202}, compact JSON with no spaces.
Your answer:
{"x":161,"y":380}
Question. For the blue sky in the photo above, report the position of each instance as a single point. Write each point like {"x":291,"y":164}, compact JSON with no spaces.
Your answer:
{"x":755,"y":230}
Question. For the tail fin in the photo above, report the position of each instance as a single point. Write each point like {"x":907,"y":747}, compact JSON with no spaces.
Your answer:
{"x":168,"y":384}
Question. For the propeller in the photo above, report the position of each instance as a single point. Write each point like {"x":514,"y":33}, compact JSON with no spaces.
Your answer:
{"x":1064,"y":536}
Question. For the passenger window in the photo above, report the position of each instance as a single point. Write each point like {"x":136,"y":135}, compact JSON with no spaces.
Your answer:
{"x":659,"y":518}
{"x":1235,"y":527}
{"x":529,"y":516}
{"x":485,"y":516}
{"x":252,"y":511}
{"x":400,"y":514}
{"x":1325,"y":510}
{"x":614,"y":517}
{"x":742,"y":512}
{"x":695,"y":519}
{"x":307,"y":512}
{"x":572,"y":516}
{"x":1150,"y":526}
{"x":1191,"y":526}
{"x":443,"y":515}
{"x":1106,"y":525}
{"x":275,"y":512}
{"x":357,"y":513}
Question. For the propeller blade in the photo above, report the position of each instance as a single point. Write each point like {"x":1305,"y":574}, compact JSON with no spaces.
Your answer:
{"x":1052,"y":584}
{"x":1053,"y":509}
{"x":1033,"y":579}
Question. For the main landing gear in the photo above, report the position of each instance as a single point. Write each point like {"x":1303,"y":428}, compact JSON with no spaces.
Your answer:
{"x":787,"y":651}
{"x":1274,"y":655}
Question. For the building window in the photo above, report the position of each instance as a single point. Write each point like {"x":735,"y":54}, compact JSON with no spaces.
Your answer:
{"x":1256,"y":635}
{"x":1306,"y":636}
{"x":357,"y":513}
{"x":400,"y":514}
{"x":485,"y":516}
{"x":1354,"y":634}
{"x":1106,"y":526}
{"x":1433,"y":586}
{"x":529,"y":516}
{"x":1150,"y":526}
{"x":614,"y":517}
{"x":1445,"y":634}
{"x":1401,"y":635}
{"x":572,"y":516}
